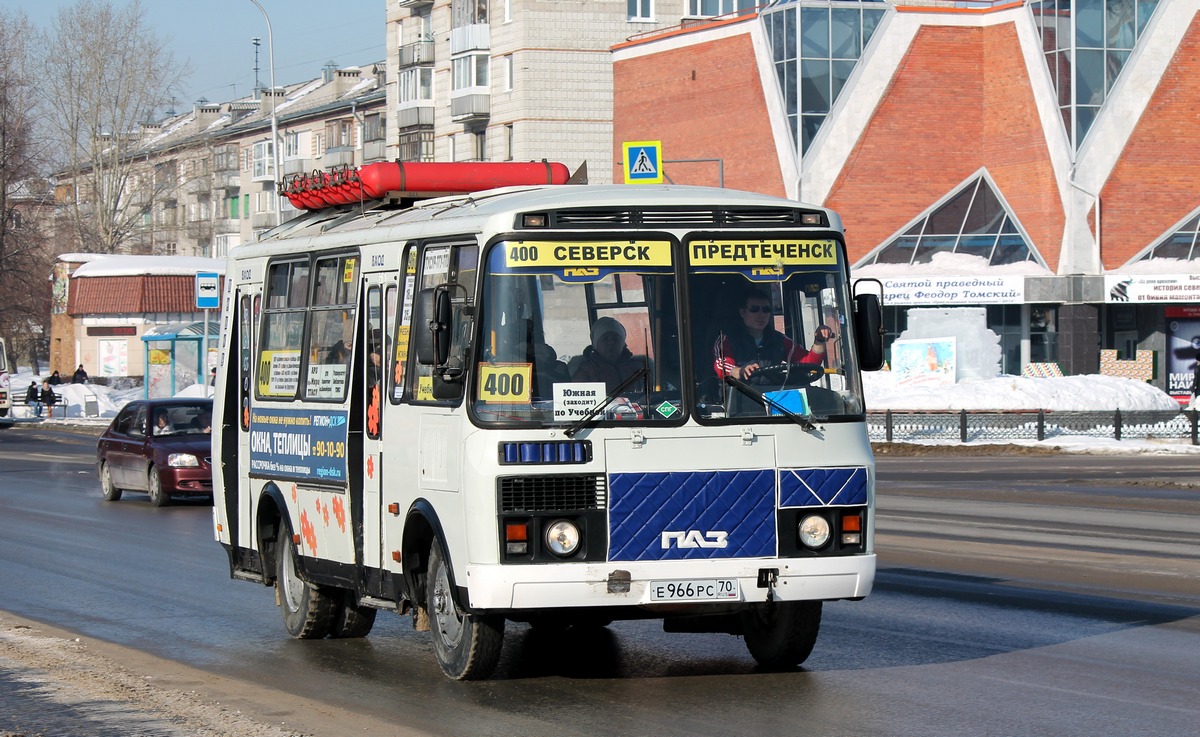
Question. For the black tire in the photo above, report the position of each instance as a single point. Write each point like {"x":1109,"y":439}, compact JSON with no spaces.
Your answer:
{"x":467,"y":646}
{"x":352,"y":620}
{"x":781,"y":634}
{"x":154,"y":488}
{"x":108,"y":490}
{"x":308,"y":612}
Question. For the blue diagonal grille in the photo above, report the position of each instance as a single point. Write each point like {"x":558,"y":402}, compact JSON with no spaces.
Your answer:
{"x":645,"y":505}
{"x":822,"y":487}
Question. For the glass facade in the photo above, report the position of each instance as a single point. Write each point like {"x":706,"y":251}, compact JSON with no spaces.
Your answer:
{"x":815,"y":46}
{"x":1182,"y":244}
{"x":972,"y":220}
{"x":1086,"y":45}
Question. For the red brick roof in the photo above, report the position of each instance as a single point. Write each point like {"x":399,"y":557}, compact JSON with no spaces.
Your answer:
{"x":121,"y":295}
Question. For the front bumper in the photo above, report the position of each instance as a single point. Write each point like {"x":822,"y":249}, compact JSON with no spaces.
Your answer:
{"x":498,"y":587}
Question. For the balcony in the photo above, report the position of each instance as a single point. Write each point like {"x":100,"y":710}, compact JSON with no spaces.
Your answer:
{"x":262,"y":220}
{"x":298,"y":166}
{"x":226,"y":226}
{"x":475,"y":37}
{"x":374,"y":150}
{"x":199,"y":184}
{"x":470,"y":106}
{"x":227,"y":180}
{"x":413,"y":3}
{"x":338,"y":156}
{"x":414,"y":114}
{"x":414,"y":54}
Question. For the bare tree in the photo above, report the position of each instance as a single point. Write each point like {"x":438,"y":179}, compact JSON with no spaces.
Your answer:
{"x":25,"y":259}
{"x":111,"y":73}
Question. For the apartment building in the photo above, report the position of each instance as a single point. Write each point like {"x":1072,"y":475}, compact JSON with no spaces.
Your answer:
{"x":515,"y":80}
{"x":205,"y":180}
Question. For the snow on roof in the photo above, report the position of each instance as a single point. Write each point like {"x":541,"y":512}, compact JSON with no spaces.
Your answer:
{"x":300,"y":93}
{"x":80,"y":258}
{"x":1158,"y":266}
{"x":150,"y":265}
{"x":952,"y":264}
{"x":361,"y":87}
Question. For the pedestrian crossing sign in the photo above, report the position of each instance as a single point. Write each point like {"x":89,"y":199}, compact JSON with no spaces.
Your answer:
{"x":643,"y":162}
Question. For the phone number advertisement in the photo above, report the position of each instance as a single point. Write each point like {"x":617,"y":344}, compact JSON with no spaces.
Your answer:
{"x":298,"y":444}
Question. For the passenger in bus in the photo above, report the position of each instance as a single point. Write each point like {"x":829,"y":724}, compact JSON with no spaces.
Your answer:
{"x":547,"y":370}
{"x":755,"y":342}
{"x":607,"y":359}
{"x":339,"y":352}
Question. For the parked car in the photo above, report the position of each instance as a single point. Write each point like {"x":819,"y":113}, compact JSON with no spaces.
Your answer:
{"x":162,"y":447}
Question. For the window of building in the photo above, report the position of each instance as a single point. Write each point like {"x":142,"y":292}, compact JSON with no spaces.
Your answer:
{"x":415,"y":83}
{"x":508,"y":143}
{"x":815,"y":48}
{"x":1181,"y":242}
{"x":971,"y":220}
{"x":509,"y":72}
{"x":264,"y":160}
{"x":1086,"y":44}
{"x":640,"y":10}
{"x":470,"y":71}
{"x":373,"y":127}
{"x":468,"y":12}
{"x":416,"y":146}
{"x":710,"y":8}
{"x":339,"y":133}
{"x":291,"y":145}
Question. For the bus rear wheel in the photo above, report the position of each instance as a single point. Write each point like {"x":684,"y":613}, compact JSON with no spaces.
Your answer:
{"x":467,"y":646}
{"x":308,"y":612}
{"x":351,"y":620}
{"x":781,"y":634}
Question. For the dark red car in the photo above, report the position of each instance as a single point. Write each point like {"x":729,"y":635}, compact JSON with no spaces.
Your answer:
{"x":162,"y":447}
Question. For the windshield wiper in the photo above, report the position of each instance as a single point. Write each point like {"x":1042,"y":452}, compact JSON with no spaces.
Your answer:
{"x":765,"y":400}
{"x":582,"y":422}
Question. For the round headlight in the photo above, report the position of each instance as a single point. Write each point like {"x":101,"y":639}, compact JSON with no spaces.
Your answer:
{"x":814,"y":531}
{"x":562,"y":538}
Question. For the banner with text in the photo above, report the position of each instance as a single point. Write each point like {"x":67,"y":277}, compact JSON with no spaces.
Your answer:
{"x":953,"y":290}
{"x":307,"y":444}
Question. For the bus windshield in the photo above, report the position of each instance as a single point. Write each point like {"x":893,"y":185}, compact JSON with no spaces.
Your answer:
{"x":768,"y":320}
{"x":565,"y":324}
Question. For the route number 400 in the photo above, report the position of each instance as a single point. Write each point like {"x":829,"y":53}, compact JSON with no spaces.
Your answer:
{"x":505,"y":383}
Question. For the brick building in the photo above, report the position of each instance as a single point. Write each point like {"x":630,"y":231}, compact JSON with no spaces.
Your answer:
{"x":1038,"y":159}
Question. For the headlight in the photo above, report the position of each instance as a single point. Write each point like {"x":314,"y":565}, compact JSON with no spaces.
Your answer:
{"x":182,"y":460}
{"x":562,"y":538}
{"x":814,"y":531}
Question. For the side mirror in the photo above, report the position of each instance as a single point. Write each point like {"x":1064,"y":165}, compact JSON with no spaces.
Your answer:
{"x":868,"y":331}
{"x":431,"y":324}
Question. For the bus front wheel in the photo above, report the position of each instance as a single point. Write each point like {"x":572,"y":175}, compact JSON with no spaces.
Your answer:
{"x":467,"y":646}
{"x":308,"y":612}
{"x":781,"y":634}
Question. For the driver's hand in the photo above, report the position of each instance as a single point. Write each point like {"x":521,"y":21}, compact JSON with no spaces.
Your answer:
{"x":747,"y":371}
{"x":824,"y":334}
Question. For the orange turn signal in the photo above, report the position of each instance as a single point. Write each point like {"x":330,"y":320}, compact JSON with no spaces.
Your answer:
{"x":516,"y":532}
{"x":852,"y":523}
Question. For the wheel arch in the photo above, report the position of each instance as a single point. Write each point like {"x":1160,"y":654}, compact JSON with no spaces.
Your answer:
{"x":271,"y":520}
{"x":422,"y":527}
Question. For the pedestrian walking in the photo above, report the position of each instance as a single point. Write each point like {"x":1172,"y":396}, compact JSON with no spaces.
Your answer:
{"x":49,"y":398}
{"x":33,"y":398}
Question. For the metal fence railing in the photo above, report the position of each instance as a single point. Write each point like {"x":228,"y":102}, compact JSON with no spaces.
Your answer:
{"x":1004,"y":425}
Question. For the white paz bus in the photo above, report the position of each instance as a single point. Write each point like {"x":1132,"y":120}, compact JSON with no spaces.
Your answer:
{"x":531,"y":403}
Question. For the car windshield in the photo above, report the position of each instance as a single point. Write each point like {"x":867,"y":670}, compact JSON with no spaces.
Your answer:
{"x":181,"y":419}
{"x":565,"y":324}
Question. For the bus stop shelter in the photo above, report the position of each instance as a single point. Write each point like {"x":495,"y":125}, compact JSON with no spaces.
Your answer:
{"x":174,"y":357}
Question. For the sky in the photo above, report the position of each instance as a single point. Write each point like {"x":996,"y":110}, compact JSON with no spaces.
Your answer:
{"x":214,"y":36}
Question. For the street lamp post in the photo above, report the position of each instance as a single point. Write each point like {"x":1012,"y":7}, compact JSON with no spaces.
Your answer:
{"x":274,"y":120}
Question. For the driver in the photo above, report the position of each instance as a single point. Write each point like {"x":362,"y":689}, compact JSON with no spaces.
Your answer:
{"x":756,"y":343}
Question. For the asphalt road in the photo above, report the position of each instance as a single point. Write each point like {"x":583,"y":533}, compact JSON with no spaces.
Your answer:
{"x":1017,"y":595}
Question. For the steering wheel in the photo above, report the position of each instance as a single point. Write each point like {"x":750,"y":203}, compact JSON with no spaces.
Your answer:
{"x":795,"y":374}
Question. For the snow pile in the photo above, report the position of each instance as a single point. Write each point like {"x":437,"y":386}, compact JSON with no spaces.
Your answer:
{"x":1069,"y":393}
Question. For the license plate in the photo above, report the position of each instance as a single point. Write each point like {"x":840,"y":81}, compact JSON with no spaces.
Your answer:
{"x":708,"y":589}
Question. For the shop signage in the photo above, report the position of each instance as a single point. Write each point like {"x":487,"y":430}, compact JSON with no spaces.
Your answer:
{"x":953,"y":290}
{"x":1152,"y":288}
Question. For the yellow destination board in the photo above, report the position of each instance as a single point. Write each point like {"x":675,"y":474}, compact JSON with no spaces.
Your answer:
{"x":763,"y":253}
{"x":519,"y":254}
